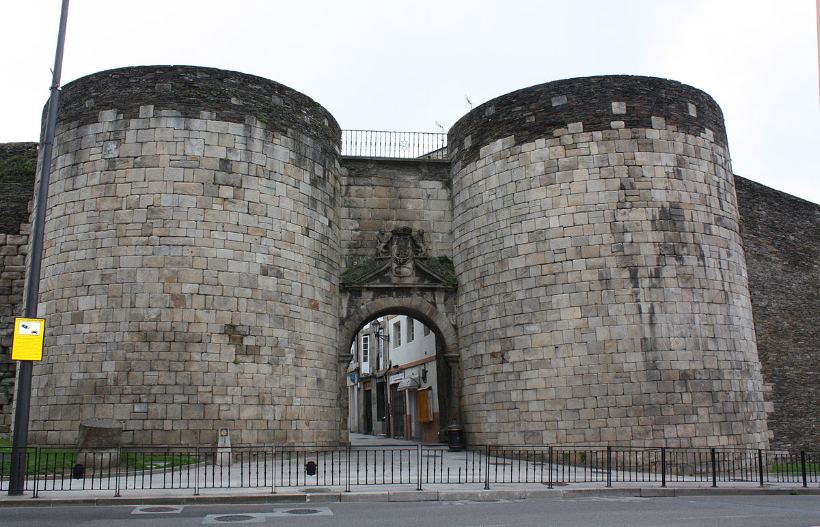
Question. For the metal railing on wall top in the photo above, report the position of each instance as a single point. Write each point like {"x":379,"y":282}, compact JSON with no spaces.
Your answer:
{"x":394,"y":145}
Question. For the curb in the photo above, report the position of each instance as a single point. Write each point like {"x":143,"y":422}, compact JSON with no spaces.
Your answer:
{"x":402,"y":496}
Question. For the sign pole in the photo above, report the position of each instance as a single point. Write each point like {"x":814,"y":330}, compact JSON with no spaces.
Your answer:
{"x":22,"y":398}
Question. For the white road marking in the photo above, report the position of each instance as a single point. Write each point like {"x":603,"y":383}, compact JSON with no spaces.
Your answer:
{"x":157,"y":509}
{"x":626,"y":499}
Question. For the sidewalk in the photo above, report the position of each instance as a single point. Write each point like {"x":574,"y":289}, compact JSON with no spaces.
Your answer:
{"x":462,"y":492}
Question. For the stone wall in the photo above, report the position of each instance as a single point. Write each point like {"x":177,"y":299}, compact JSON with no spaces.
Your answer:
{"x":781,"y":237}
{"x":200,"y":219}
{"x":192,"y":261}
{"x":18,"y":163}
{"x":381,"y":194}
{"x":602,"y":285}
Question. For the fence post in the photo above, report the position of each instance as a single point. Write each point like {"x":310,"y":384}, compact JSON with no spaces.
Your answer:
{"x":117,"y":481}
{"x":663,"y":466}
{"x":608,"y":466}
{"x":714,"y":467}
{"x":37,"y":470}
{"x":803,"y":466}
{"x":418,"y":465}
{"x":760,"y":465}
{"x":347,"y":484}
{"x":196,"y":474}
{"x":273,"y":469}
{"x":549,"y":468}
{"x":487,"y":467}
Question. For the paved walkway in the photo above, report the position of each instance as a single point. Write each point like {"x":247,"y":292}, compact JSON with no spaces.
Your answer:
{"x":368,"y":440}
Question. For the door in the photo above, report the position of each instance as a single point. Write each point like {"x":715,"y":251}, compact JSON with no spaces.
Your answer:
{"x":397,"y":407}
{"x":368,"y":412}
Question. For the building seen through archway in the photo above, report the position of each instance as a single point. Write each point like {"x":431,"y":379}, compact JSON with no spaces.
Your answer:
{"x":392,"y":380}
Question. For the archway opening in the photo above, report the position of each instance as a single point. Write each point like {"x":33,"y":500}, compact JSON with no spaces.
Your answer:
{"x":400,"y":381}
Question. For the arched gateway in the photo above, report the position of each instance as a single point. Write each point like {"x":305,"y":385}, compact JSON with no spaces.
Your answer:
{"x":401,"y":278}
{"x":211,"y":253}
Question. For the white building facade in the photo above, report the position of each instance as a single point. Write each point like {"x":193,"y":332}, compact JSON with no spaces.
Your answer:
{"x":392,"y":380}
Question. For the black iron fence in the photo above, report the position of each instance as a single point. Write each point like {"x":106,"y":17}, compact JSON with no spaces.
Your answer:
{"x":272,"y":467}
{"x":397,"y":145}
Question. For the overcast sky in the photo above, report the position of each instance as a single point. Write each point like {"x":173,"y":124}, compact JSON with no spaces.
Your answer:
{"x":404,"y":65}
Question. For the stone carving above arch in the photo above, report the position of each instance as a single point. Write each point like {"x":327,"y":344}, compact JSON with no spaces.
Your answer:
{"x":400,"y":277}
{"x":401,"y":260}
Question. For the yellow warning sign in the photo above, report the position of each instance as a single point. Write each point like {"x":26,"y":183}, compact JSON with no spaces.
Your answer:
{"x":28,"y":339}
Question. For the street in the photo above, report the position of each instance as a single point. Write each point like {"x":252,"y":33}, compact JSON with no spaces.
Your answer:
{"x":725,"y":511}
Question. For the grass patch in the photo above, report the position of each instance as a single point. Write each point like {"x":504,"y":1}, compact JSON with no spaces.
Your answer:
{"x":47,"y":461}
{"x":794,"y":468}
{"x":140,"y":461}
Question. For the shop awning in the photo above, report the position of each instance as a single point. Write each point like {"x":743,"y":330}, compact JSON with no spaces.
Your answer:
{"x":410,"y":383}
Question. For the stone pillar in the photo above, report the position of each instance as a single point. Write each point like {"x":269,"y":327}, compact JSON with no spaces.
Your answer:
{"x":603,"y":295}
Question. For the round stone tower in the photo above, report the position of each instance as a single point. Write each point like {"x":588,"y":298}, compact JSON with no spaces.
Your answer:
{"x":191,"y":261}
{"x":602,"y":284}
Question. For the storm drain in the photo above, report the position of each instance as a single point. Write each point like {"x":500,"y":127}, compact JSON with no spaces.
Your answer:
{"x":302,"y":511}
{"x":157,"y":509}
{"x":261,"y":517}
{"x":212,"y":519}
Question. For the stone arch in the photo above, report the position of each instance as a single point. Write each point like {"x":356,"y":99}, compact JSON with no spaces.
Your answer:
{"x":433,"y":316}
{"x":413,"y":306}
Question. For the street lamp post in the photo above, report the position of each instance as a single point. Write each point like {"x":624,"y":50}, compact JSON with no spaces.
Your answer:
{"x":382,"y":360}
{"x":22,"y":398}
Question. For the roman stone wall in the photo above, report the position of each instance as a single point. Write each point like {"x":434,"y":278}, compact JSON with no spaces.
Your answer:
{"x":17,"y":166}
{"x":199,"y":222}
{"x":382,"y":194}
{"x":781,"y":238}
{"x":602,"y":284}
{"x":191,"y":264}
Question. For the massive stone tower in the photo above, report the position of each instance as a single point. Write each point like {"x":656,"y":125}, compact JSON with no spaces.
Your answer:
{"x":192,"y":260}
{"x":602,"y":284}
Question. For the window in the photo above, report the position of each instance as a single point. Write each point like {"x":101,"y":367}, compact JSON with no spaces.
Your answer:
{"x":426,"y":330}
{"x":396,"y":334}
{"x":411,"y":329}
{"x":365,"y":348}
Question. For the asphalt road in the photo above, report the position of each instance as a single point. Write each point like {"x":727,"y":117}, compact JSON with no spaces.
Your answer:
{"x":723,"y":511}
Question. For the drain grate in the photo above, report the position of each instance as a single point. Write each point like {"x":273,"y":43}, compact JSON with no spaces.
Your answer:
{"x":262,"y":517}
{"x":302,"y":511}
{"x":233,"y":518}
